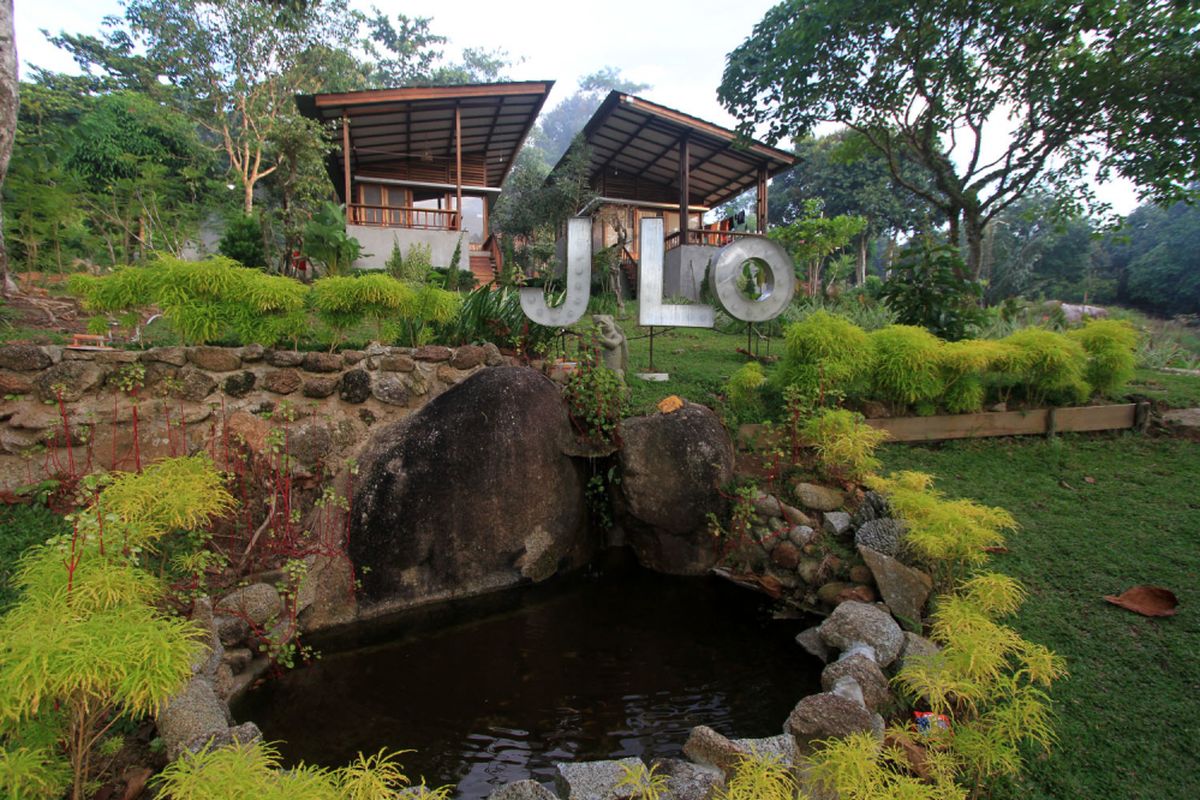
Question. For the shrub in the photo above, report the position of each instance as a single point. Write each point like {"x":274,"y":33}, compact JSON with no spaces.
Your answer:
{"x":948,"y":536}
{"x":988,"y":679}
{"x":596,"y":398}
{"x":1045,"y":366}
{"x":488,"y":315}
{"x":825,"y":354}
{"x":85,"y":640}
{"x":205,"y":301}
{"x":845,"y":444}
{"x":326,"y":240}
{"x":907,"y":363}
{"x":859,"y":767}
{"x":928,"y":287}
{"x":760,"y":777}
{"x":743,"y":392}
{"x":254,"y":770}
{"x":1110,"y":346}
{"x":242,"y":241}
{"x":965,"y":366}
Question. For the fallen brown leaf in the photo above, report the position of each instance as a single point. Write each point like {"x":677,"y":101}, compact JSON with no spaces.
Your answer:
{"x":1149,"y":601}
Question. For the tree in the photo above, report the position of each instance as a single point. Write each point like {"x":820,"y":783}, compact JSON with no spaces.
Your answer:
{"x":936,"y":79}
{"x":407,"y":54}
{"x":813,"y":237}
{"x":848,"y":177}
{"x":9,"y":104}
{"x":563,"y":122}
{"x":1157,"y":256}
{"x":241,"y":62}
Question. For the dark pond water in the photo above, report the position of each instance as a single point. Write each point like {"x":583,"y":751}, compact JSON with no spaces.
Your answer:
{"x":612,"y":662}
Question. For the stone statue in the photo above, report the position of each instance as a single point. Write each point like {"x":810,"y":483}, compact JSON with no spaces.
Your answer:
{"x":616,"y":349}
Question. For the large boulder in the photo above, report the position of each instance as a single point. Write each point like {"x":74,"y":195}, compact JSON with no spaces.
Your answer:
{"x":903,"y":588}
{"x":471,"y":493}
{"x":854,"y":623}
{"x":826,"y":715}
{"x":672,"y":469}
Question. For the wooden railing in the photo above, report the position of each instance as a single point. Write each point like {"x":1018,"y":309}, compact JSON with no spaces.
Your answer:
{"x":704,"y":237}
{"x":430,"y":219}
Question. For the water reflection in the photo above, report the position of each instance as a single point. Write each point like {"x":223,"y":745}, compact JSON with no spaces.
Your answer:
{"x":618,"y":662}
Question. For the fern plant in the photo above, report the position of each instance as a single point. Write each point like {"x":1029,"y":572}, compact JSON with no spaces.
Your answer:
{"x":844,"y":442}
{"x":1110,"y":346}
{"x":761,"y":777}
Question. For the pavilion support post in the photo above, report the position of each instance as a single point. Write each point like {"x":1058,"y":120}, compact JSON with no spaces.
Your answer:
{"x":458,"y":166}
{"x":685,"y":189}
{"x":760,"y":209}
{"x":346,"y":164}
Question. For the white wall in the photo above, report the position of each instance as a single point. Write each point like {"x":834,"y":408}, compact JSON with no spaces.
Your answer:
{"x":377,"y":245}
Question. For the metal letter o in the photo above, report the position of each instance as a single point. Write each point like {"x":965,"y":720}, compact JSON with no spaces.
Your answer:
{"x":726,"y":271}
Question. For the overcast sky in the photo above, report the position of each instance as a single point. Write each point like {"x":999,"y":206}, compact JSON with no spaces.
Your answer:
{"x":677,"y":46}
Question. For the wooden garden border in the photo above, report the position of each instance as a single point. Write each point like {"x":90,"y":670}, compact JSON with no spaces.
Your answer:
{"x":1039,"y":421}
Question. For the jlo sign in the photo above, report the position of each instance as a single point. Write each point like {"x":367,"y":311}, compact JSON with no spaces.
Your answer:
{"x":770,"y":265}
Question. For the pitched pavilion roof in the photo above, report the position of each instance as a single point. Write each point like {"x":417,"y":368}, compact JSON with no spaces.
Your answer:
{"x":390,"y":125}
{"x":635,"y":154}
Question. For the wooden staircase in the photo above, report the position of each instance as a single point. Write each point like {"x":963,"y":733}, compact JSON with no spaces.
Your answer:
{"x":484,"y":267}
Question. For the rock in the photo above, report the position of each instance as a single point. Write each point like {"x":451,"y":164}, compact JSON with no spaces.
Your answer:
{"x":749,"y":556}
{"x":687,"y":781}
{"x":194,"y":384}
{"x":414,"y":527}
{"x":492,"y":356}
{"x":853,"y":622}
{"x":397,"y":362}
{"x":903,"y":588}
{"x":239,"y":385}
{"x":352,"y":357}
{"x":861,"y":573}
{"x":259,"y":603}
{"x":523,"y":790}
{"x":432,"y":352}
{"x":449,"y":375}
{"x":251,"y":430}
{"x":767,"y":505}
{"x":356,"y":386}
{"x":311,"y":442}
{"x":12,"y":383}
{"x":826,"y":715}
{"x":157,"y":372}
{"x":819,"y":498}
{"x":915,"y":646}
{"x":781,"y":746}
{"x":672,"y":468}
{"x":810,"y":639}
{"x":859,"y":592}
{"x":209,"y":658}
{"x":238,"y":658}
{"x":705,"y":746}
{"x":809,"y":569}
{"x":873,"y":409}
{"x":880,"y":535}
{"x":594,"y":780}
{"x":468,"y":356}
{"x":836,"y":523}
{"x":215,"y":359}
{"x":24,"y":358}
{"x":846,"y":687}
{"x":390,"y":390}
{"x":794,"y":516}
{"x":72,"y":378}
{"x":321,"y":387}
{"x":192,"y":718}
{"x":801,"y":535}
{"x":830,"y":593}
{"x":322,"y":362}
{"x":175,"y":356}
{"x":252,"y":353}
{"x":285,"y":358}
{"x":870,"y":678}
{"x":873,"y":506}
{"x":282,"y":381}
{"x":786,"y":556}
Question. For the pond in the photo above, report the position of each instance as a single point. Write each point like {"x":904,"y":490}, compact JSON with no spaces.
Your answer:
{"x":611,"y":662}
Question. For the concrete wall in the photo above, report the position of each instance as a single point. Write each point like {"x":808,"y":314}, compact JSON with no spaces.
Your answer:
{"x":684,"y":269}
{"x":377,"y":244}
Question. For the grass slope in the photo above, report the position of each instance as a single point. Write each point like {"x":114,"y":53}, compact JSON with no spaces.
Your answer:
{"x":1129,"y":714}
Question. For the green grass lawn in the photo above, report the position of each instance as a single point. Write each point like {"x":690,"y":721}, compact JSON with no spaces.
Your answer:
{"x":1129,"y":713}
{"x":1177,"y":391}
{"x":22,"y":527}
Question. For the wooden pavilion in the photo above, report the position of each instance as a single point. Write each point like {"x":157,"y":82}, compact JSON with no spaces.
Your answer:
{"x":647,"y":160}
{"x":422,"y":165}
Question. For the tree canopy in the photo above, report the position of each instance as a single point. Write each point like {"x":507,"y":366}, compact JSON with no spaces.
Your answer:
{"x":989,"y":99}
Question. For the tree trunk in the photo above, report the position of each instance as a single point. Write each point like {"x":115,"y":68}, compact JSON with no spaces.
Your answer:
{"x":248,"y":198}
{"x":9,"y":99}
{"x":861,"y":272}
{"x":973,"y":227}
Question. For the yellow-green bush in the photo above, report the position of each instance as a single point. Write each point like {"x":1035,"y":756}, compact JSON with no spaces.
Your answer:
{"x":1110,"y":346}
{"x":743,"y":392}
{"x":253,"y":771}
{"x":85,"y":641}
{"x":825,"y":354}
{"x":1045,"y":366}
{"x":760,"y":777}
{"x":845,"y":444}
{"x":946,"y":535}
{"x":859,"y":767}
{"x":965,"y":365}
{"x":906,"y":369}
